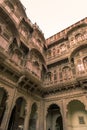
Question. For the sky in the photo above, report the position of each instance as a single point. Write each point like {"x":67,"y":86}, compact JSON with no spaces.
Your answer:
{"x":52,"y":16}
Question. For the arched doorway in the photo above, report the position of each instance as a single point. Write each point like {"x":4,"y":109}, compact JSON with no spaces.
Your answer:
{"x":76,"y":116}
{"x":18,"y":115}
{"x":33,"y":118}
{"x":3,"y":98}
{"x":54,"y":118}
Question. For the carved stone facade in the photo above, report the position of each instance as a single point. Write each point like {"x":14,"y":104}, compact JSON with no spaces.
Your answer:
{"x":43,"y":82}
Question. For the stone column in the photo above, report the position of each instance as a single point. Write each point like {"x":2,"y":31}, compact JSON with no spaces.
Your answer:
{"x":26,"y":121}
{"x":7,"y":113}
{"x":41,"y":116}
{"x":64,"y":115}
{"x":9,"y":106}
{"x":45,"y":117}
{"x":45,"y":122}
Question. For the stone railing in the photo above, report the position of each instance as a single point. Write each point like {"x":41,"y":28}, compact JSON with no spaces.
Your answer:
{"x":61,"y":82}
{"x":78,"y":41}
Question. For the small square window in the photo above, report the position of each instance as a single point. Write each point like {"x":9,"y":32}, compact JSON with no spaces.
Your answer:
{"x":81,"y":120}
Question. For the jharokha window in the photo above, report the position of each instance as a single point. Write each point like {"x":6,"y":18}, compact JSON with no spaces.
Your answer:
{"x":80,"y":66}
{"x":66,"y":73}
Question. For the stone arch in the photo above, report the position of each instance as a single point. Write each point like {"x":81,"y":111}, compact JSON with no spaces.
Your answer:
{"x":76,"y":59}
{"x":75,"y":99}
{"x":18,"y":114}
{"x":53,"y":118}
{"x":49,"y":104}
{"x":65,"y":67}
{"x":36,"y":51}
{"x":74,"y":51}
{"x":22,"y":97}
{"x":76,"y":115}
{"x":3,"y":102}
{"x":33,"y":117}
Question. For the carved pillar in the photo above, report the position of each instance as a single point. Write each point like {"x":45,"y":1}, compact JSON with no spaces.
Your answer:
{"x":26,"y":122}
{"x":41,"y":116}
{"x":45,"y":116}
{"x":38,"y":117}
{"x":7,"y":113}
{"x":45,"y":120}
{"x":64,"y":115}
{"x":9,"y":106}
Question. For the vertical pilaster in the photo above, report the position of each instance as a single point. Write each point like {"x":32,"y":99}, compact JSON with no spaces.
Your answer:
{"x":26,"y":122}
{"x":41,"y":116}
{"x":64,"y":115}
{"x":45,"y":116}
{"x":9,"y":106}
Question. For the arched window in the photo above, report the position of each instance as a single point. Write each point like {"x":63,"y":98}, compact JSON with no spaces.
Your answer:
{"x":80,"y":66}
{"x":54,"y":118}
{"x":17,"y":118}
{"x":66,"y":73}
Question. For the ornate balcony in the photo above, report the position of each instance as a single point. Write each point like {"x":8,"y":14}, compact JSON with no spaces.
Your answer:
{"x":9,"y":9}
{"x":63,"y":83}
{"x":33,"y":70}
{"x":79,"y":41}
{"x":72,"y":45}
